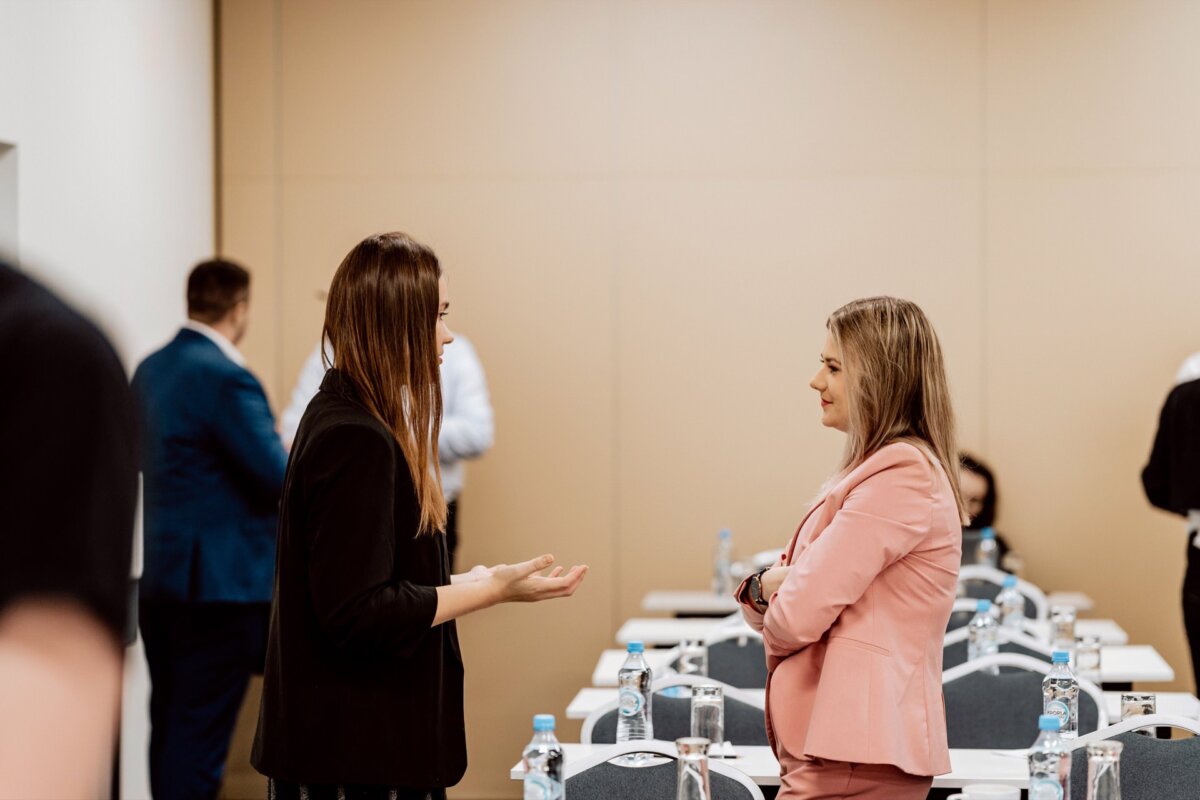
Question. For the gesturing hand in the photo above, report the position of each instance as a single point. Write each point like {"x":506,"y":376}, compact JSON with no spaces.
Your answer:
{"x":521,"y":583}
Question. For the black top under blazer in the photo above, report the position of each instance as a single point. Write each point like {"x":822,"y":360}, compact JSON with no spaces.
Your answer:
{"x":359,"y":689}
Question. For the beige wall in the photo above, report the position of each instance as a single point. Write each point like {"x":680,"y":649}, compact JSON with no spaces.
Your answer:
{"x":648,"y":208}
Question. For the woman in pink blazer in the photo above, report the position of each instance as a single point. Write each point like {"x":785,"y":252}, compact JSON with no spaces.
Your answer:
{"x":854,"y":614}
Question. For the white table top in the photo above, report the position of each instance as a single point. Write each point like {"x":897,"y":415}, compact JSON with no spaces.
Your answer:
{"x":1132,"y":663}
{"x":665,"y":631}
{"x":759,"y":764}
{"x":610,"y":663}
{"x":1108,"y":630}
{"x":689,"y":602}
{"x":1076,"y":600}
{"x":1182,"y":704}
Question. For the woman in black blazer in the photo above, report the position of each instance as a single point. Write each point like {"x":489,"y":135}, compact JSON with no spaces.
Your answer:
{"x":363,"y":692}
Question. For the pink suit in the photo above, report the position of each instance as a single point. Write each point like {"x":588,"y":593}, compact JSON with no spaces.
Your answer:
{"x":854,"y":635}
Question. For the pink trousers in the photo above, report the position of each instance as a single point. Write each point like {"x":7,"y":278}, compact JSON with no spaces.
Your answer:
{"x":820,"y":779}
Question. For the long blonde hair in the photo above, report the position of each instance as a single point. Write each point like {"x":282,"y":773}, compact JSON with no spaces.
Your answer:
{"x":895,"y":382}
{"x":380,"y":321}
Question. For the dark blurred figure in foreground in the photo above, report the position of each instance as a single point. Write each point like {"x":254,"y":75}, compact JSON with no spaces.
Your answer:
{"x":213,"y":469}
{"x":1172,"y":482}
{"x":67,"y":499}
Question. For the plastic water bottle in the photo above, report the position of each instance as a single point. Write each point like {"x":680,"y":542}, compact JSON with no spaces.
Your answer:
{"x":633,"y":697}
{"x":1011,"y":604}
{"x":1049,"y":763}
{"x":723,"y":563}
{"x":987,"y":552}
{"x":983,"y":634}
{"x":1060,"y":694}
{"x":543,"y":760}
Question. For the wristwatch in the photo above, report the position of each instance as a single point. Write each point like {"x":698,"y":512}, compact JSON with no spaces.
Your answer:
{"x":756,"y":587}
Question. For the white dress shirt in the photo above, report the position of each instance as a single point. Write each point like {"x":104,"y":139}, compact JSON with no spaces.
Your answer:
{"x":1190,"y":369}
{"x":468,"y":428}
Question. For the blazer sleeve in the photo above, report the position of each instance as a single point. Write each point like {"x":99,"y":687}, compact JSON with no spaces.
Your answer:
{"x":246,"y":430}
{"x":883,"y":518}
{"x":351,"y":483}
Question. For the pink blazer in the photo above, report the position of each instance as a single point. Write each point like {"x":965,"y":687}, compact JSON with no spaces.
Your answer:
{"x":854,"y":635}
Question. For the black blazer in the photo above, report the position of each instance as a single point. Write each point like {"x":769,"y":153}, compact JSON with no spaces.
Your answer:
{"x":1172,"y":476}
{"x":358,"y":688}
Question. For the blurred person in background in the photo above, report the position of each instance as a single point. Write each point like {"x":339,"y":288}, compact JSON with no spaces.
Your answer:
{"x":467,"y":425}
{"x":68,"y":442}
{"x":854,"y":614}
{"x":978,"y":485}
{"x":363,"y":692}
{"x":1171,"y":480}
{"x":213,"y":469}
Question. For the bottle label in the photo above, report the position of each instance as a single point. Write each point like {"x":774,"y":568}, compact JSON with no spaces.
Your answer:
{"x":629,"y":702}
{"x":1061,"y":710}
{"x":1042,"y":789}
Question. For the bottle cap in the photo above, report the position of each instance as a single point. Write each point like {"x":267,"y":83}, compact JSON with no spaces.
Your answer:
{"x":983,"y":606}
{"x":635,"y":647}
{"x":1010,"y":582}
{"x":543,"y":722}
{"x":1060,"y":657}
{"x":988,"y":533}
{"x":725,"y":533}
{"x":1049,"y":722}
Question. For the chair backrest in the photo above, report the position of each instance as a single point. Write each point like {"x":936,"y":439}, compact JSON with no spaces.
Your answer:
{"x":983,"y":583}
{"x":954,"y":652}
{"x":595,"y":778}
{"x":745,"y":720}
{"x":1151,"y":769}
{"x":738,"y":660}
{"x":961,"y":613}
{"x":1001,"y":711}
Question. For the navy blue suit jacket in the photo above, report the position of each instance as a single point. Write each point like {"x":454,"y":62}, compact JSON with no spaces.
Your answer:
{"x":213,"y":470}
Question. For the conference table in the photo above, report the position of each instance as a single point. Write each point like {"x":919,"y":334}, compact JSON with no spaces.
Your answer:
{"x":1180,"y":704}
{"x":670,"y":631}
{"x":1119,"y":664}
{"x":1007,"y":767}
{"x":693,"y":603}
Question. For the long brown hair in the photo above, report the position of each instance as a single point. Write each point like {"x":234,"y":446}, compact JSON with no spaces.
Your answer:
{"x":895,"y":382}
{"x":380,"y":321}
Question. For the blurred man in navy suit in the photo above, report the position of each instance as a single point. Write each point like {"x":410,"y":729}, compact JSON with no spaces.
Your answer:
{"x":213,"y":469}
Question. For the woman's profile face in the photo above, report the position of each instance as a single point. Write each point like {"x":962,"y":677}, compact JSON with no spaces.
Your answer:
{"x":974,"y":490}
{"x":442,"y":334}
{"x":830,"y":384}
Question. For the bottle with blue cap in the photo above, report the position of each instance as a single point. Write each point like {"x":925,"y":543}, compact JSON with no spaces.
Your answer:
{"x":634,"y":719}
{"x":723,"y":563}
{"x":987,"y":552}
{"x":1060,"y":694}
{"x":1011,"y":604}
{"x":1049,"y":762}
{"x":543,"y":762}
{"x":983,"y":634}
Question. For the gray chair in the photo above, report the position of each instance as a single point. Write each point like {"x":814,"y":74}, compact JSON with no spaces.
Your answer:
{"x":745,"y":723}
{"x":599,"y":779}
{"x":1151,"y":769}
{"x":985,"y":711}
{"x":955,"y":654}
{"x":738,"y":661}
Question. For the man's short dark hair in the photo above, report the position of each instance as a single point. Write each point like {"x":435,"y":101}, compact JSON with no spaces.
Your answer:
{"x":214,"y":288}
